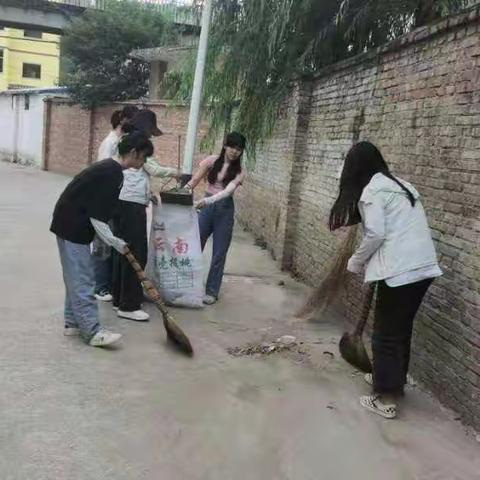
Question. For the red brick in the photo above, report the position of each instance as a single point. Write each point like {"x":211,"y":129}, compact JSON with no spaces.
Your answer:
{"x":75,"y":134}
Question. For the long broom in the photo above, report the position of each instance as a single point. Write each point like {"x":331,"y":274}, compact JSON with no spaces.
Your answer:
{"x":174,"y":332}
{"x":351,"y":345}
{"x":334,"y":280}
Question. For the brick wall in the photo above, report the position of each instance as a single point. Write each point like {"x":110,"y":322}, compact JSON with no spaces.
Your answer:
{"x":73,"y":135}
{"x":66,"y":136}
{"x":268,"y":186}
{"x":418,"y":100}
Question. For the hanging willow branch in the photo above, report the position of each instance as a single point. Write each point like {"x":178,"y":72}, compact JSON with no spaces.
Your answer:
{"x":258,"y":48}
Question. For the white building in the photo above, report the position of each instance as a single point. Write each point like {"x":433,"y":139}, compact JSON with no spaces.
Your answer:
{"x":22,"y":124}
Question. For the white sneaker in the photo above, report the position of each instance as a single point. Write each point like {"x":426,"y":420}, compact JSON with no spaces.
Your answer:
{"x":103,"y":338}
{"x":137,"y":315}
{"x":71,"y":331}
{"x":116,"y":308}
{"x":104,"y":296}
{"x":209,"y":300}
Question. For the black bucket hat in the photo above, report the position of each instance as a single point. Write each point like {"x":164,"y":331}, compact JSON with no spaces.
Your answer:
{"x":146,"y":121}
{"x":129,"y":111}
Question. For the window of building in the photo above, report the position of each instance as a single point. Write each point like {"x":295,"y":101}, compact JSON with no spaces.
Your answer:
{"x":31,"y":70}
{"x":32,"y":33}
{"x":1,"y":60}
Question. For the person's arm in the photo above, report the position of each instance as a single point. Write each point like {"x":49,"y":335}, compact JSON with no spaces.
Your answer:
{"x":103,"y":231}
{"x":154,"y":169}
{"x":373,"y":221}
{"x":108,"y":149}
{"x":226,"y":192}
{"x":202,"y":171}
{"x":103,"y":151}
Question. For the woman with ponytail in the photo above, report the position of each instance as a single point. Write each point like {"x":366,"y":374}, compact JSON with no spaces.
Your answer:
{"x":224,"y":174}
{"x":396,"y":252}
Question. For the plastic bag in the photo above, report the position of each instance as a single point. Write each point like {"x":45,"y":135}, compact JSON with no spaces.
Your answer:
{"x":175,"y":262}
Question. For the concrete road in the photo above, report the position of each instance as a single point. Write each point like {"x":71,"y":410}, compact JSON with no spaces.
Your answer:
{"x":141,"y":411}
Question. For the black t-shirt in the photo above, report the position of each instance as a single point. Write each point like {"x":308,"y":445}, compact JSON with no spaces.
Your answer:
{"x":93,"y":193}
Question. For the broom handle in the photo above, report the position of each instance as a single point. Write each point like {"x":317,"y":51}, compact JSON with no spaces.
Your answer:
{"x":365,"y":310}
{"x":147,"y":284}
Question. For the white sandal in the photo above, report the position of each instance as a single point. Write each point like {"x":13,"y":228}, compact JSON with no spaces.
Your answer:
{"x":372,"y":403}
{"x":368,"y":378}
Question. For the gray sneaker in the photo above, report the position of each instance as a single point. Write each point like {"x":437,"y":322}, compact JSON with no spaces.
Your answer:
{"x":104,"y":338}
{"x":209,"y":300}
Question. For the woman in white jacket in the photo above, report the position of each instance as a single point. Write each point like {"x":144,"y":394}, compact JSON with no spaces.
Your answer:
{"x":397,"y":252}
{"x":101,"y":252}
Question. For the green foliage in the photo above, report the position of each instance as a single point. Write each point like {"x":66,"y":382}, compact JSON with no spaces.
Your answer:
{"x":369,"y":23}
{"x":259,"y":47}
{"x":97,"y":48}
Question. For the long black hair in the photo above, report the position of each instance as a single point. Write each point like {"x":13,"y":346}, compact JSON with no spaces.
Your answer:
{"x":362,"y":162}
{"x":234,"y":140}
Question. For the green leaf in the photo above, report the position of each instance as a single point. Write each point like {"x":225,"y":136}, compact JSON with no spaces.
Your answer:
{"x":97,"y":46}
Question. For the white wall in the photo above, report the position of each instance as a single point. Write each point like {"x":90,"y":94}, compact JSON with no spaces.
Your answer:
{"x":6,"y":127}
{"x":21,"y":130}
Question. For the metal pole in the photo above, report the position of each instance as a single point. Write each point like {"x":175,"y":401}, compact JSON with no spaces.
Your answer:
{"x":197,"y":89}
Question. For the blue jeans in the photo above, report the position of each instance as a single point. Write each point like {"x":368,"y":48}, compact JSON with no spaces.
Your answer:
{"x":217,"y":220}
{"x":81,"y":310}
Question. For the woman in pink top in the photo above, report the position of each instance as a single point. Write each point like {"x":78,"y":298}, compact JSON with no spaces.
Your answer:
{"x":224,"y":174}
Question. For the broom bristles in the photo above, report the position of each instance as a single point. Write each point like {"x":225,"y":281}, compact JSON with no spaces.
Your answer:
{"x":333,"y":281}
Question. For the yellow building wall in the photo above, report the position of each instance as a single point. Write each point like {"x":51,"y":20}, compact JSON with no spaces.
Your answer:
{"x":18,"y":49}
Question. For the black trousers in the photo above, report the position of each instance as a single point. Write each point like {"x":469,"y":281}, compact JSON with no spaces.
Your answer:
{"x":395,"y":311}
{"x":130,"y":224}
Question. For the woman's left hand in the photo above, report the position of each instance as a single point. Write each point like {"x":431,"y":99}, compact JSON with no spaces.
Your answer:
{"x":201,"y":204}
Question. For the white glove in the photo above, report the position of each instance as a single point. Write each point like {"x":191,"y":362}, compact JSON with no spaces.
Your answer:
{"x":353,"y":266}
{"x":204,"y":202}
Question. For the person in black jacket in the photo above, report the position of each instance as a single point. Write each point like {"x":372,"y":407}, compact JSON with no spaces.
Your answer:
{"x":83,"y":209}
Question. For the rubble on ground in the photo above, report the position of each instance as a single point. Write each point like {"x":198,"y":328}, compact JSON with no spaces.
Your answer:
{"x":286,"y":342}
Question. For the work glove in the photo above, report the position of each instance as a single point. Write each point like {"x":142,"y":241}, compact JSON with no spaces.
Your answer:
{"x":354,"y":267}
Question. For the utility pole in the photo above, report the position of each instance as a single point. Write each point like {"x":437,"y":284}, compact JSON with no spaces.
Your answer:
{"x":197,"y":89}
